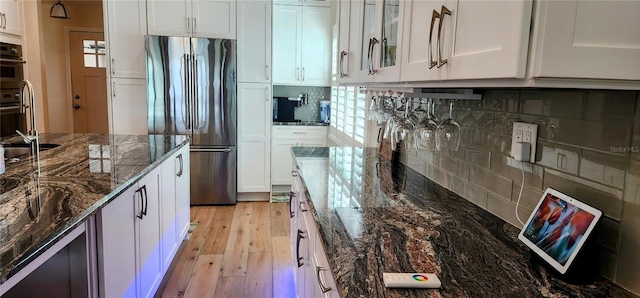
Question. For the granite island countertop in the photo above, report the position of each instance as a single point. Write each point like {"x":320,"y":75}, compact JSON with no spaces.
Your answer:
{"x":377,"y":216}
{"x":76,"y":179}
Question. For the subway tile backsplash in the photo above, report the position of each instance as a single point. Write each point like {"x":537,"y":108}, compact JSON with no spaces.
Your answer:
{"x":310,"y":111}
{"x":588,"y":148}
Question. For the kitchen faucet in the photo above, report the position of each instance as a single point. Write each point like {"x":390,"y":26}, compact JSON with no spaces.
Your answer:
{"x":33,"y":132}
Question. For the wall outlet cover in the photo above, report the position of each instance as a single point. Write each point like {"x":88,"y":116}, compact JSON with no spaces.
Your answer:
{"x":522,"y":131}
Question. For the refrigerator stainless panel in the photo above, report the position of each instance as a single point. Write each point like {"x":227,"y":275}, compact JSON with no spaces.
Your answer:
{"x":214,"y":108}
{"x":213,"y":175}
{"x":167,"y":85}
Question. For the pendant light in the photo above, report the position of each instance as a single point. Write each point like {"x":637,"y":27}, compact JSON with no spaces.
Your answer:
{"x":58,"y":11}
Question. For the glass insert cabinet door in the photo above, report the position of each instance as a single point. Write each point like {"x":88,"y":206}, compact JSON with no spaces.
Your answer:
{"x":368,"y":33}
{"x":390,"y":32}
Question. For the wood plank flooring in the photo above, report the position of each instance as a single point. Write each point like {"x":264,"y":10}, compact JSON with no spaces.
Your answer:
{"x":235,"y":251}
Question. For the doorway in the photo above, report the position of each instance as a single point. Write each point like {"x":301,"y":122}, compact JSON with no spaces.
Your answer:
{"x":87,"y":51}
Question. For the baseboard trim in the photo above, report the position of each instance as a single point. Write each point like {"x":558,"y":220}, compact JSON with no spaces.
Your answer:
{"x":254,"y":196}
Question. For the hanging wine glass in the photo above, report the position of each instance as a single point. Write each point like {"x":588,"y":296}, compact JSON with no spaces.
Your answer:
{"x":403,"y":132}
{"x":426,"y":131}
{"x":448,"y":133}
{"x":391,"y":122}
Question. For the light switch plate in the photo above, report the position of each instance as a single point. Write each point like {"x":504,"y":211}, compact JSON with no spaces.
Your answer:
{"x":528,"y":133}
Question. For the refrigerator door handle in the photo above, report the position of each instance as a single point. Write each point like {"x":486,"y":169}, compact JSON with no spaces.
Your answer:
{"x":211,"y":150}
{"x":185,"y":92}
{"x":196,"y":112}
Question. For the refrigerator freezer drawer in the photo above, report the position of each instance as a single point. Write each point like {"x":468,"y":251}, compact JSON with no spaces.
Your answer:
{"x":213,"y":176}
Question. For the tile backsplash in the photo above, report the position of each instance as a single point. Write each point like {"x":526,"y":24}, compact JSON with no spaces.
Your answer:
{"x":310,"y":111}
{"x":588,"y":148}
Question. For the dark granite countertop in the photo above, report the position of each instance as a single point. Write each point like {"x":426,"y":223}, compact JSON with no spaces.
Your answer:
{"x":77,"y":178}
{"x":302,"y":123}
{"x":377,"y":216}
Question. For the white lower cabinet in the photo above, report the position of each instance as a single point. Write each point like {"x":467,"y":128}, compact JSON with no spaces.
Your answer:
{"x":175,"y":204}
{"x":140,"y":230}
{"x":254,"y":135}
{"x":285,"y":137}
{"x":313,"y":275}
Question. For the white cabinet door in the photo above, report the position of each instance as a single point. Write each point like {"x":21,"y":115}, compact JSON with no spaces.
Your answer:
{"x":12,"y":13}
{"x":169,"y":17}
{"x":281,"y":160}
{"x":420,"y":35}
{"x":287,"y":41}
{"x":588,"y":39}
{"x":214,"y":18}
{"x":254,"y":137}
{"x":350,"y":53}
{"x":169,"y":216}
{"x":387,"y":51}
{"x":128,"y":106}
{"x":148,"y":234}
{"x":316,"y":46}
{"x":183,"y":191}
{"x":117,"y":245}
{"x":254,"y":41}
{"x":491,"y":39}
{"x":126,"y":28}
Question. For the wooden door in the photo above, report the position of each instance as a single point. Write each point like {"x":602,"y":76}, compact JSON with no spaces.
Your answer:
{"x":88,"y":82}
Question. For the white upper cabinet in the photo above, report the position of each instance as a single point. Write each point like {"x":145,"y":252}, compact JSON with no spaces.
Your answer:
{"x":254,"y":41}
{"x":214,"y":18}
{"x":370,"y":35}
{"x":587,"y":39}
{"x":254,"y":137}
{"x":11,"y":14}
{"x":197,"y":18}
{"x":301,"y":45}
{"x":350,"y":57}
{"x":465,"y":39}
{"x":125,"y":29}
{"x":303,"y":2}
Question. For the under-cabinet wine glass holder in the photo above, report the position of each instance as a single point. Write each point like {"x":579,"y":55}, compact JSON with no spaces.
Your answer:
{"x":466,"y":94}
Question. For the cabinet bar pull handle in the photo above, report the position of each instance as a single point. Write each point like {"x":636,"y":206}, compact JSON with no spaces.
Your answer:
{"x":146,"y":200}
{"x":298,"y":258}
{"x":342,"y":73}
{"x":188,"y":25}
{"x":141,"y":203}
{"x":297,"y":73}
{"x":323,"y":288}
{"x":113,"y":66}
{"x":434,"y":16}
{"x":266,"y":94}
{"x":303,"y":74}
{"x":443,"y":11}
{"x":291,"y":196}
{"x":369,"y":56}
{"x":113,"y":89}
{"x":195,"y":24}
{"x":302,"y":209}
{"x":294,"y":173}
{"x":267,"y":71}
{"x":181,"y":168}
{"x":299,"y":133}
{"x":374,"y":41}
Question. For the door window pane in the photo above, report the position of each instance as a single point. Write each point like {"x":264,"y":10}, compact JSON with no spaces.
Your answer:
{"x":95,"y":51}
{"x":89,"y":60}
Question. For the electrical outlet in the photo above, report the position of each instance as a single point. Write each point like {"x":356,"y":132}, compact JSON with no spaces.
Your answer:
{"x":527,"y":133}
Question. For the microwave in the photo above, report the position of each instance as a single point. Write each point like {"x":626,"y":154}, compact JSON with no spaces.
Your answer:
{"x":11,"y":66}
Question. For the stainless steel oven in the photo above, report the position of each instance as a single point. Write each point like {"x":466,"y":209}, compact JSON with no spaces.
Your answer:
{"x":11,"y":74}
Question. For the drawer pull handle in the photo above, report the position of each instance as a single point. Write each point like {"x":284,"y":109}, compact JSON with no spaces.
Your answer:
{"x":291,"y":196}
{"x":299,"y":133}
{"x":302,"y":209}
{"x":323,"y":288}
{"x":298,"y":258}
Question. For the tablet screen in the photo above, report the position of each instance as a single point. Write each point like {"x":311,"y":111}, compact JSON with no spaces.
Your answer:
{"x":558,"y":227}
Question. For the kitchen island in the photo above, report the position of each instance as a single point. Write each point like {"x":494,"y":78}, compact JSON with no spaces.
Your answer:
{"x":374,"y":216}
{"x":78,"y":178}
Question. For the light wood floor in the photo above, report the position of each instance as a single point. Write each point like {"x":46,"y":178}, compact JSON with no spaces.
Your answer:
{"x":235,"y":251}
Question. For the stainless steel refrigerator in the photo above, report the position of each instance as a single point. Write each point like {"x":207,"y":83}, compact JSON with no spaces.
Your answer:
{"x":191,"y":90}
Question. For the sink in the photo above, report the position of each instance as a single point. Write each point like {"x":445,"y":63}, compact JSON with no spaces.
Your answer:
{"x":16,"y":149}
